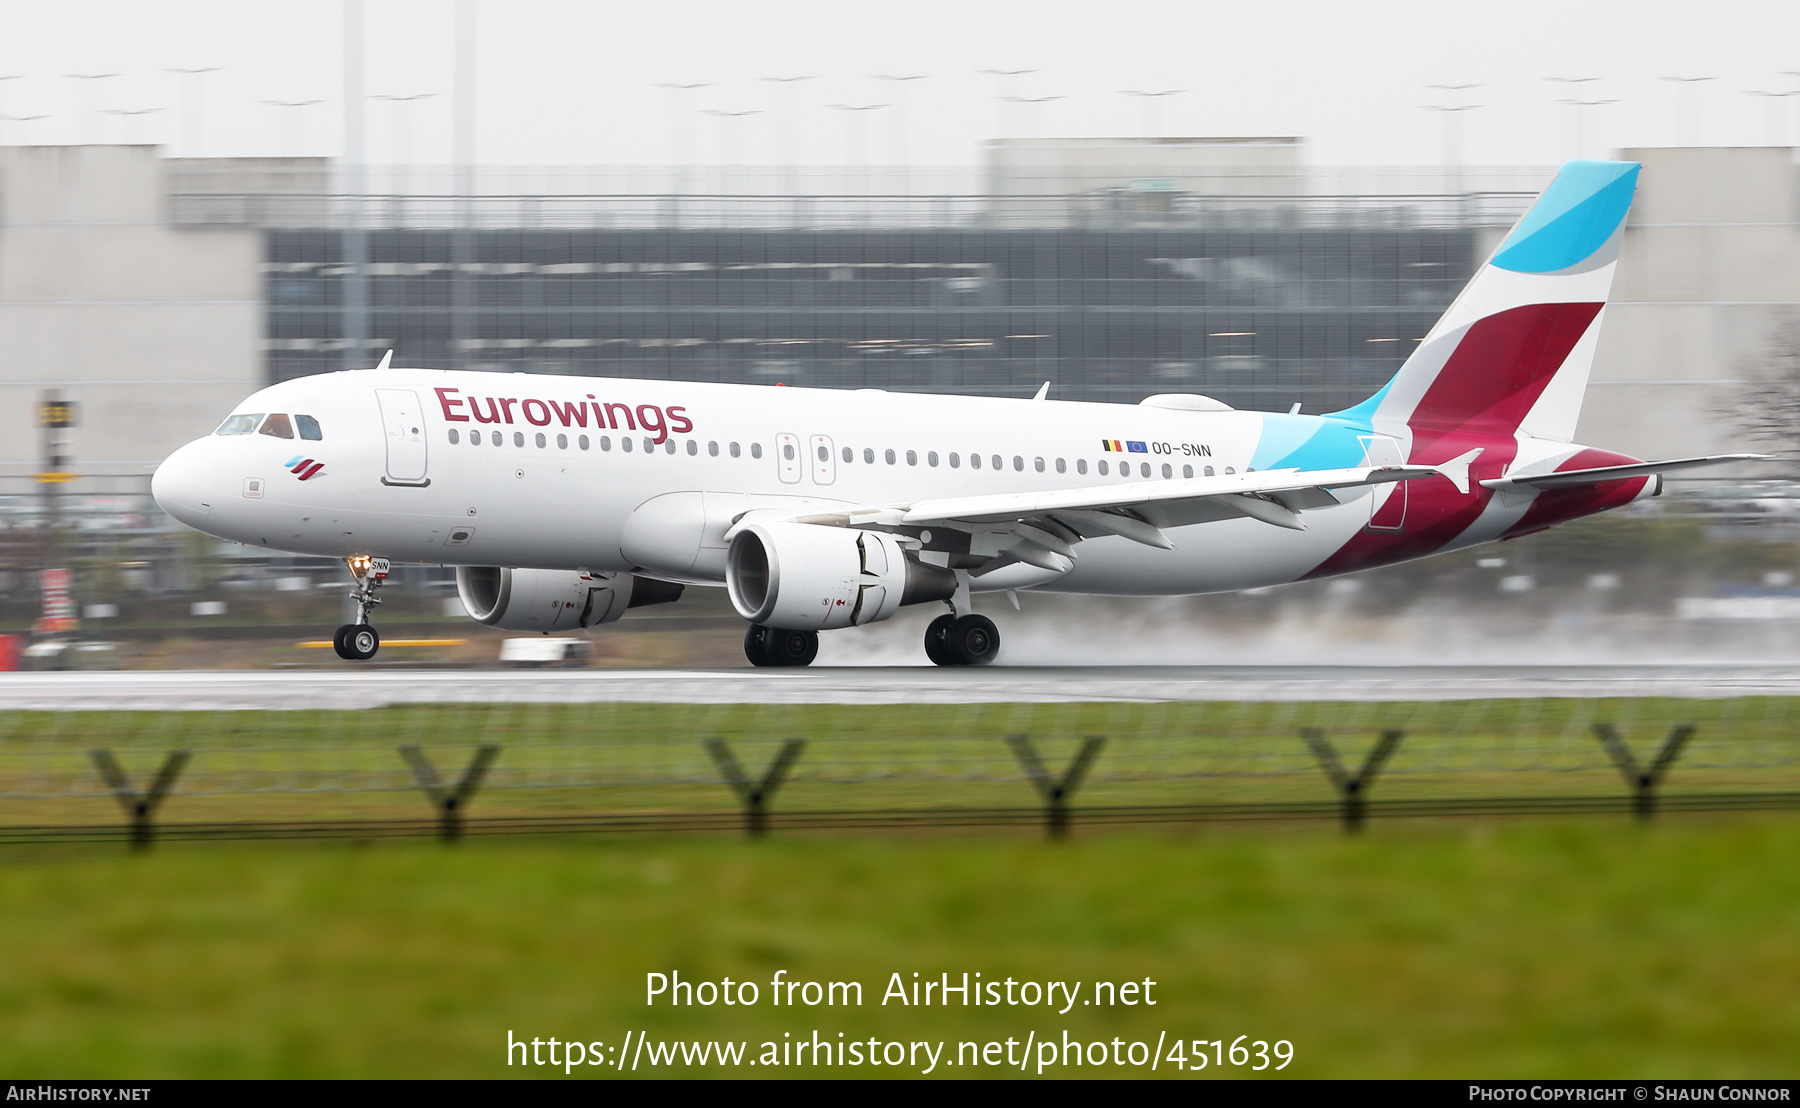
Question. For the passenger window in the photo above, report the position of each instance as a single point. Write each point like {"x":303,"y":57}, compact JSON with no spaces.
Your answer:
{"x":582,"y":441}
{"x":474,"y":438}
{"x":693,"y":448}
{"x":824,"y":454}
{"x":734,"y":450}
{"x":890,"y":456}
{"x":756,"y":450}
{"x":869,"y":456}
{"x":1187,"y":471}
{"x":930,"y":457}
{"x":1144,"y":469}
{"x":1062,"y":466}
{"x":1208,"y":471}
{"x":712,"y":449}
{"x":1039,"y":463}
{"x":519,"y":438}
{"x":974,"y":461}
{"x":309,"y":428}
{"x":998,"y":463}
{"x":496,"y":440}
{"x":624,"y":444}
{"x":669,"y":447}
{"x":239,"y":424}
{"x":1168,"y":470}
{"x":1228,"y":469}
{"x":453,"y":436}
{"x":649,"y":445}
{"x":787,"y":451}
{"x":542,"y":441}
{"x":849,"y":454}
{"x":955,"y":461}
{"x":1018,"y":464}
{"x":562,"y":442}
{"x":1081,"y":466}
{"x":1103,"y":467}
{"x":606,"y":442}
{"x":278,"y":426}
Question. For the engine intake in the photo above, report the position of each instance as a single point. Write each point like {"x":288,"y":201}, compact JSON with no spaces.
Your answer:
{"x":553,"y":599}
{"x":804,"y":576}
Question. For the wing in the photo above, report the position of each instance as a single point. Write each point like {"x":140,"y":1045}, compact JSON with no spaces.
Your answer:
{"x":1568,"y":477}
{"x":1041,"y":529}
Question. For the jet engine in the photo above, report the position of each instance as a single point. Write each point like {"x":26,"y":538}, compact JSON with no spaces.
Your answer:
{"x":803,"y":576}
{"x":554,"y":599}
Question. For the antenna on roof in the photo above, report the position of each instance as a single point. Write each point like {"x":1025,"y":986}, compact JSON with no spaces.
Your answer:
{"x":1043,"y":392}
{"x":385,"y":360}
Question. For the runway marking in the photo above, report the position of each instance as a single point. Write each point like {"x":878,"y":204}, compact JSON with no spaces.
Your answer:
{"x":350,"y":688}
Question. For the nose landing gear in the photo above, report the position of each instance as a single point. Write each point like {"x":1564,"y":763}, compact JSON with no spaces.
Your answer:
{"x":358,"y":641}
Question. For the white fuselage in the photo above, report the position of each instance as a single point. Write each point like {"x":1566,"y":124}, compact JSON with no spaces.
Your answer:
{"x":667,"y":466}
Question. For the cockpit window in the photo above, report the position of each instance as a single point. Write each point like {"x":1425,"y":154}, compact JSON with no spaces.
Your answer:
{"x":277,"y":426}
{"x":309,"y":428}
{"x":240,"y":424}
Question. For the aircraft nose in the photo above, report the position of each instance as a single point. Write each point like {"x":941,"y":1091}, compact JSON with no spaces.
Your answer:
{"x":180,"y":485}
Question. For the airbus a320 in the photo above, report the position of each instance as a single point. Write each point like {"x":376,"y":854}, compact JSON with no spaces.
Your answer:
{"x":564,"y":501}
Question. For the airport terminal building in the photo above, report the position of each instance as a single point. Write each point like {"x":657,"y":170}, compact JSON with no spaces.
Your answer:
{"x":153,"y":293}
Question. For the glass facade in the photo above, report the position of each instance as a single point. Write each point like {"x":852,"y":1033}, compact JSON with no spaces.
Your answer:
{"x":1258,"y":318}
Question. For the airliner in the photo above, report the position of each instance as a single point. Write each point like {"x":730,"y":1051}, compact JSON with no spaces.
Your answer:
{"x":564,"y":501}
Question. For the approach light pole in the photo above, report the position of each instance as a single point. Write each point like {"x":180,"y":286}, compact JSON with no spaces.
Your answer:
{"x":787,"y":129}
{"x":293,"y":124}
{"x":681,"y":120}
{"x":1150,"y":104}
{"x":1580,"y":107}
{"x":897,"y":127}
{"x":193,"y":108}
{"x":1775,"y":123}
{"x":730,"y":149}
{"x":89,"y":123}
{"x":855,"y":150}
{"x":134,"y":123}
{"x":1006,"y":81}
{"x":1687,"y":110}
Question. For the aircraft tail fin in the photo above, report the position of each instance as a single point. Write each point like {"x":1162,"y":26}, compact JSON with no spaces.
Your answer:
{"x":1513,"y":352}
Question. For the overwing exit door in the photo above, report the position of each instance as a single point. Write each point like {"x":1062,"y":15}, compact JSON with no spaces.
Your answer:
{"x":824,"y":466}
{"x":403,"y":422}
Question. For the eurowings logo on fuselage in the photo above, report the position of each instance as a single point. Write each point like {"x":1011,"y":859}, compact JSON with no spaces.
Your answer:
{"x":304,"y":468}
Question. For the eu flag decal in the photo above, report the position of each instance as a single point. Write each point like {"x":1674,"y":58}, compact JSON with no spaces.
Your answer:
{"x":1137,"y":447}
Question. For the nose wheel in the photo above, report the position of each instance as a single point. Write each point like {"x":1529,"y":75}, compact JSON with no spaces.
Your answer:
{"x":356,"y":642}
{"x":775,"y":646}
{"x":969,"y":640}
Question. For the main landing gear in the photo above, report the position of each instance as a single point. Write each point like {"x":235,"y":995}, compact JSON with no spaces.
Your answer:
{"x":970,"y":640}
{"x":774,"y":646}
{"x":358,"y":642}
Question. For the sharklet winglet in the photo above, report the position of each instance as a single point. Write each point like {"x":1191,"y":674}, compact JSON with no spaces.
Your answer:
{"x":1457,"y":470}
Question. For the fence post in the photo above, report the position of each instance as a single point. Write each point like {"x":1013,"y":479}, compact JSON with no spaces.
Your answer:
{"x":755,"y":794}
{"x":139,"y":808}
{"x":1056,"y":793}
{"x":1644,"y":782}
{"x":1353,"y":788}
{"x":450,"y":802}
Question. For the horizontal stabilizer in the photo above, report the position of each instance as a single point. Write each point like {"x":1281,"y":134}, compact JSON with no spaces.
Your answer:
{"x":1570,"y":477}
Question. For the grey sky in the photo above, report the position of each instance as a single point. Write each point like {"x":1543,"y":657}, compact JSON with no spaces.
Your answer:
{"x":565,"y":82}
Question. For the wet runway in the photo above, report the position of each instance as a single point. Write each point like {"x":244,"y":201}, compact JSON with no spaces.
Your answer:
{"x":290,"y":689}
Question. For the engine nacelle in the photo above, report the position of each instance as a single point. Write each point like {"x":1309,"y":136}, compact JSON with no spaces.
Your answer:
{"x":553,"y":599}
{"x":804,"y":576}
